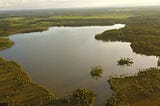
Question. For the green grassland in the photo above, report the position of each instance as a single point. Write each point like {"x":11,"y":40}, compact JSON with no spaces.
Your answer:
{"x":14,"y":25}
{"x":109,"y":16}
{"x":17,"y":89}
{"x":140,"y":90}
{"x":5,"y":43}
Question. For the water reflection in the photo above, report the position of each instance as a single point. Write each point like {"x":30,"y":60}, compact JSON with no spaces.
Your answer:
{"x":123,"y":62}
{"x":61,"y":57}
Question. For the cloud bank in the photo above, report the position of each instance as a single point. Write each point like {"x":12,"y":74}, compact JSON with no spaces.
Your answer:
{"x":34,"y":4}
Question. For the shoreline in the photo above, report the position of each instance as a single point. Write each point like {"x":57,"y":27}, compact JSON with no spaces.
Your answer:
{"x":105,"y":33}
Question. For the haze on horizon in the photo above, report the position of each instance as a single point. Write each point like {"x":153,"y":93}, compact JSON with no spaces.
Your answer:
{"x":46,"y":4}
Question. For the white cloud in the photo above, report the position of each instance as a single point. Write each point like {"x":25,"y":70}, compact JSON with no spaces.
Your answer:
{"x":30,"y":4}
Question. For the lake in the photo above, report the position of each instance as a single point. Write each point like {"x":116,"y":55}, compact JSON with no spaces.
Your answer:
{"x":61,"y":58}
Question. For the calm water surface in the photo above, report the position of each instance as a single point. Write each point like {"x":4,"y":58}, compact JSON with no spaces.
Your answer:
{"x":61,"y":58}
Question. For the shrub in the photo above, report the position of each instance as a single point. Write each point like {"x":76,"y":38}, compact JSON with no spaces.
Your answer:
{"x":96,"y":71}
{"x":83,"y":97}
{"x":125,"y":61}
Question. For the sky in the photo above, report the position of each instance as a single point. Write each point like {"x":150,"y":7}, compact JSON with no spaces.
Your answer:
{"x":44,"y":4}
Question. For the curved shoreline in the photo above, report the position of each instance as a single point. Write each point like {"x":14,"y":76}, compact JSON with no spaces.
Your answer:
{"x":17,"y":87}
{"x":21,"y":88}
{"x":113,"y":85}
{"x":38,"y":84}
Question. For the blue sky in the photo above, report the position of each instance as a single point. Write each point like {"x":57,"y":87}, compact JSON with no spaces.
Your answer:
{"x":34,"y":4}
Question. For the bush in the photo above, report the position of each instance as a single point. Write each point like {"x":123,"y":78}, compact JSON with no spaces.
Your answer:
{"x":96,"y":71}
{"x":125,"y":61}
{"x":83,"y":97}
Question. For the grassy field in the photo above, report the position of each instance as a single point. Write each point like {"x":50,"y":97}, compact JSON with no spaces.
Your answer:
{"x":5,"y":43}
{"x":13,"y":22}
{"x":17,"y":89}
{"x":14,"y":25}
{"x":109,"y":16}
{"x":140,"y":90}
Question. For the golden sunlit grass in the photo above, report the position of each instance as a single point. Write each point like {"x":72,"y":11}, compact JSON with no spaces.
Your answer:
{"x":140,"y":90}
{"x":17,"y":88}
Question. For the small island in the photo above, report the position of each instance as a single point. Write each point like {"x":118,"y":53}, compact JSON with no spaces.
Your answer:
{"x":96,"y":72}
{"x":125,"y":62}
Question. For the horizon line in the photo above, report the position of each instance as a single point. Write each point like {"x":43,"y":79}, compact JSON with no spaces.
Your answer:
{"x":131,"y":6}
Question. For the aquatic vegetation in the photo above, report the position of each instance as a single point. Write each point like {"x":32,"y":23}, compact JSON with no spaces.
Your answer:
{"x":96,"y":71}
{"x":125,"y":61}
{"x":137,"y":90}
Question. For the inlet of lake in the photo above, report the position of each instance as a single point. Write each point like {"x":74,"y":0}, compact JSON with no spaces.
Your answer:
{"x":61,"y":58}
